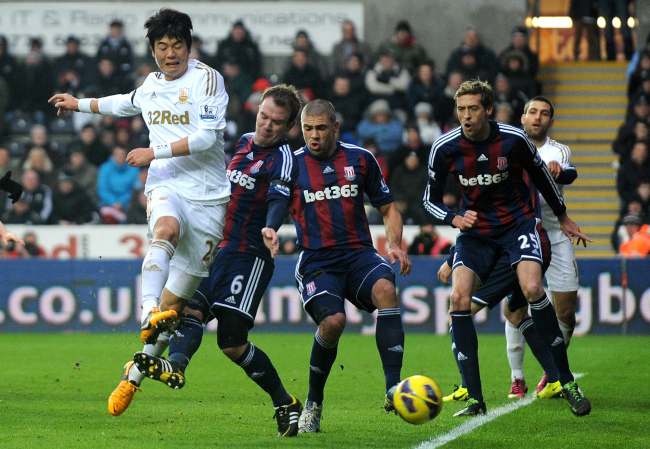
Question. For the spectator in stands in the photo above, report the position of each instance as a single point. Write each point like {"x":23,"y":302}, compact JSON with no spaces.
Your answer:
{"x":584,"y":15}
{"x":383,"y":127}
{"x":388,"y":80}
{"x":640,"y":74}
{"x":38,"y":160}
{"x":633,"y":172}
{"x":413,"y":143}
{"x":197,"y":51}
{"x":408,"y":54}
{"x":348,"y":103}
{"x":504,"y":93}
{"x":37,"y":195}
{"x":21,"y":213}
{"x":638,"y":109}
{"x":4,"y":106}
{"x":136,"y":213}
{"x":486,"y":60}
{"x":240,"y":46}
{"x":6,"y":163}
{"x":116,"y":48}
{"x":301,"y":74}
{"x":123,"y":133}
{"x":634,"y":62}
{"x":74,"y":70}
{"x":31,"y":248}
{"x":617,"y":8}
{"x":355,"y":72}
{"x":370,"y":144}
{"x":39,"y":137}
{"x":109,"y":80}
{"x":314,"y":58}
{"x":288,"y":246}
{"x":141,"y":73}
{"x":238,"y":82}
{"x":620,"y":234}
{"x":408,"y":201}
{"x":71,"y":204}
{"x":429,"y":243}
{"x":638,"y":244}
{"x":503,"y":113}
{"x":428,"y":128}
{"x":628,"y":134}
{"x":519,"y":45}
{"x":38,"y":83}
{"x":139,"y":133}
{"x":513,"y":66}
{"x":83,"y":172}
{"x":248,"y":116}
{"x":90,"y":145}
{"x":425,"y":87}
{"x":348,"y":45}
{"x":445,"y":104}
{"x":13,"y":74}
{"x":116,"y":180}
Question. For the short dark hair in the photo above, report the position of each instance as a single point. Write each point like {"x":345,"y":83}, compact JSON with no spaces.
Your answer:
{"x":169,"y":22}
{"x":477,"y":87}
{"x":285,"y":96}
{"x":540,"y":98}
{"x":320,"y":107}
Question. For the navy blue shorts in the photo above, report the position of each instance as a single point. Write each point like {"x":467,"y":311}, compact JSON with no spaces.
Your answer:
{"x":342,"y":274}
{"x":237,"y":282}
{"x":503,"y":279}
{"x":481,"y":254}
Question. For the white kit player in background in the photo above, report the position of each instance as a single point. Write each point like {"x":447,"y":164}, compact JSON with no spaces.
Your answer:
{"x":184,"y":108}
{"x":562,"y":274}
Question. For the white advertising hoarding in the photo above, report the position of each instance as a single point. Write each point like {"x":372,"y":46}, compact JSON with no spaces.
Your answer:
{"x":272,"y":24}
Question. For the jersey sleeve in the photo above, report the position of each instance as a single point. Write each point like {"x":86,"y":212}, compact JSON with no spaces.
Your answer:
{"x":433,"y":193}
{"x":121,"y":105}
{"x":539,"y":174}
{"x":213,"y":100}
{"x":375,"y":185}
{"x":283,"y":174}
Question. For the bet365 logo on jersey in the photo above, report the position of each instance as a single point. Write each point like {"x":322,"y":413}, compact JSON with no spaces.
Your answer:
{"x":483,"y":180}
{"x":244,"y":180}
{"x":332,"y":193}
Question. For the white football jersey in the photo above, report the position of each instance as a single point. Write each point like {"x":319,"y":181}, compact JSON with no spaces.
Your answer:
{"x":553,"y":151}
{"x":173,"y":110}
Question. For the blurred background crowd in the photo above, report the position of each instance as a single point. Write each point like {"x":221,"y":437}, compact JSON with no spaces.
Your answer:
{"x":394,"y":100}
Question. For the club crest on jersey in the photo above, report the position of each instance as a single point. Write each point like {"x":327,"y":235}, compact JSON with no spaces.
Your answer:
{"x":256,"y":168}
{"x":208,"y":113}
{"x":348,"y":172}
{"x":311,"y":288}
{"x":502,"y":163}
{"x":183,"y":95}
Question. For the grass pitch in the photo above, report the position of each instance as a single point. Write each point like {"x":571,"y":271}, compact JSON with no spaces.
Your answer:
{"x":56,"y":387}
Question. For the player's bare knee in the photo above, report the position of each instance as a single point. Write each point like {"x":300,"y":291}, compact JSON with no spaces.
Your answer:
{"x":167,"y":228}
{"x":332,"y":327}
{"x":384,"y":294}
{"x":532,"y":289}
{"x":459,"y":300}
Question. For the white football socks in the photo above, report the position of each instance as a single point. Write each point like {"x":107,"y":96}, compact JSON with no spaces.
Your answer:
{"x":155,"y":271}
{"x":516,"y":348}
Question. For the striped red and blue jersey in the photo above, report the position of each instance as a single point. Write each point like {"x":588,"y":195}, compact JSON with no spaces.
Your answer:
{"x":257,"y":175}
{"x":491,"y":176}
{"x":327,"y":205}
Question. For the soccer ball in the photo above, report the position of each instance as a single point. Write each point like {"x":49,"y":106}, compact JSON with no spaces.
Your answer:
{"x":417,"y":399}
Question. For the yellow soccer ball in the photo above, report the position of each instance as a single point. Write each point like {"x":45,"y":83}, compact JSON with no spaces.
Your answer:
{"x":417,"y":399}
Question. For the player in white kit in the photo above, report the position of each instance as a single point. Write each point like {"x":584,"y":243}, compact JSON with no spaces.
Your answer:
{"x":562,"y":274}
{"x":184,"y":108}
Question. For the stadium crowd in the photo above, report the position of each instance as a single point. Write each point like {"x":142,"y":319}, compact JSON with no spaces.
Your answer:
{"x":394,"y":100}
{"x":631,"y":236}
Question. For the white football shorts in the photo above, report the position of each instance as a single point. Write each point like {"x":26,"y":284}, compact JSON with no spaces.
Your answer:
{"x":201,"y":228}
{"x":562,"y":274}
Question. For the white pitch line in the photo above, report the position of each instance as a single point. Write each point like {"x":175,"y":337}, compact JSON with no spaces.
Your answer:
{"x":476,"y":422}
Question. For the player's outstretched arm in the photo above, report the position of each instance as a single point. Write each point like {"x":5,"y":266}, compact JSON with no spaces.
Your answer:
{"x":66,"y":102}
{"x":394,"y":226}
{"x":571,"y":229}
